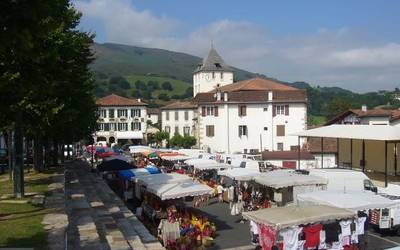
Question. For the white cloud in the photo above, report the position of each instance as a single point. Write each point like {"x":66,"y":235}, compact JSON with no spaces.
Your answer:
{"x":338,"y":58}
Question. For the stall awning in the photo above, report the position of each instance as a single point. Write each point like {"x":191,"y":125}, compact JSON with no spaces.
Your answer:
{"x":169,"y":191}
{"x":284,"y":178}
{"x":361,"y":132}
{"x":240,"y":174}
{"x":140,"y":149}
{"x":177,"y":157}
{"x":131,"y":173}
{"x":283,"y":217}
{"x":353,"y":200}
{"x":200,"y":162}
{"x":130,"y":135}
{"x":148,"y":180}
{"x":216,"y":166}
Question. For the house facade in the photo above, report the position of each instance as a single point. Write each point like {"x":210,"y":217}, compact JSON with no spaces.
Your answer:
{"x":179,"y":118}
{"x":153,"y":115}
{"x":251,"y":116}
{"x":121,"y":119}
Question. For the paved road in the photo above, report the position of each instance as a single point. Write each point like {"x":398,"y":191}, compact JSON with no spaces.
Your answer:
{"x":378,"y":241}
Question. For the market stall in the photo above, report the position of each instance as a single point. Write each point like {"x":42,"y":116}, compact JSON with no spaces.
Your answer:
{"x":283,"y":186}
{"x":306,"y":227}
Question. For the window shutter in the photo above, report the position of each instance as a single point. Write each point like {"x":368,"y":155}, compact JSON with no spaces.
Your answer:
{"x":286,"y":109}
{"x":203,"y":111}
{"x":244,"y":111}
{"x":274,"y":110}
{"x":216,"y":111}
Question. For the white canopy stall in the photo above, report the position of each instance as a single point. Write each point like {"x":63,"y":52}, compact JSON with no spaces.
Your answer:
{"x":200,"y":162}
{"x":354,"y":201}
{"x":178,"y":190}
{"x":361,"y":146}
{"x":239,"y":174}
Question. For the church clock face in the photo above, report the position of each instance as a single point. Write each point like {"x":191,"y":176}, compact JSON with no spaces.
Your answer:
{"x":207,"y":77}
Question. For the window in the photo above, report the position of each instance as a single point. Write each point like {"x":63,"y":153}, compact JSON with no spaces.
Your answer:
{"x":113,"y":126}
{"x":186,"y":115}
{"x":266,"y":128}
{"x":101,"y":126}
{"x":280,"y":130}
{"x":210,"y":111}
{"x":280,"y":109}
{"x":167,"y":129}
{"x":186,"y":131}
{"x":243,"y":130}
{"x":106,"y":127}
{"x":265,"y":109}
{"x":167,"y":115}
{"x":213,"y":75}
{"x":122,"y":126}
{"x":176,"y":130}
{"x":210,"y":130}
{"x":242,"y":110}
{"x":136,"y":126}
{"x":135,"y":112}
{"x":111,"y":113}
{"x":122,"y":113}
{"x":279,"y":146}
{"x":103,"y":113}
{"x":176,"y":115}
{"x":222,"y":75}
{"x":294,"y":148}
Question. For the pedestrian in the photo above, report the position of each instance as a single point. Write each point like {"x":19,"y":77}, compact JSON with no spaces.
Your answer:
{"x":220,"y":190}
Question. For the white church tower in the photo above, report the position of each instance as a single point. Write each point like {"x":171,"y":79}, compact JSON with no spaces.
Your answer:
{"x":211,"y":73}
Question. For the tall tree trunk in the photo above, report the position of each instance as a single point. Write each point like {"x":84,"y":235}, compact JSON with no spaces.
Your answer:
{"x":18,"y":172}
{"x":47,"y":152}
{"x":10,"y":149}
{"x":38,"y":154}
{"x":62,"y":152}
{"x":55,"y":152}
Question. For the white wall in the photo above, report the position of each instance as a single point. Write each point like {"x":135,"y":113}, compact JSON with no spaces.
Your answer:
{"x":226,"y":128}
{"x":375,"y":120}
{"x":181,"y":122}
{"x":153,"y":118}
{"x":204,"y":82}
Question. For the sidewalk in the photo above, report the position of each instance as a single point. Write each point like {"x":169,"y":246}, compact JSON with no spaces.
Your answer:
{"x":98,"y":219}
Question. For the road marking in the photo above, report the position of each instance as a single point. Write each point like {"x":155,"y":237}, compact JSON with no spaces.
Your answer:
{"x":390,"y":241}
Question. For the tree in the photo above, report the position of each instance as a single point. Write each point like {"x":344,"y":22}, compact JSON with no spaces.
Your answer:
{"x":176,"y":140}
{"x":139,"y":85}
{"x":163,"y":96}
{"x":153,"y":85}
{"x":146,"y":94}
{"x":188,"y":93}
{"x":120,"y":81}
{"x":336,"y":106}
{"x":159,"y":136}
{"x":188,"y":141}
{"x":167,"y":86}
{"x":136,"y":93}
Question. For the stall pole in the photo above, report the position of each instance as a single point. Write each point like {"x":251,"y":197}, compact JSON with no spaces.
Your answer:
{"x":351,"y":153}
{"x":395,"y":158}
{"x":322,"y":152}
{"x":386,"y":176}
{"x":337,"y":153}
{"x":363,"y":155}
{"x":298,"y":152}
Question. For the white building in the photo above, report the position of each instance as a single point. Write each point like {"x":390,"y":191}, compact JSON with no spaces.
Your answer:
{"x":251,"y":116}
{"x":121,"y":119}
{"x":211,"y":73}
{"x":179,"y":118}
{"x":153,"y":115}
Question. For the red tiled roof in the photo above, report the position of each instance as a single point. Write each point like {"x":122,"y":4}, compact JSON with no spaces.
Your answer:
{"x":286,"y":155}
{"x":153,"y":111}
{"x":255,"y":84}
{"x":181,"y":105}
{"x":116,"y":100}
{"x":394,"y":114}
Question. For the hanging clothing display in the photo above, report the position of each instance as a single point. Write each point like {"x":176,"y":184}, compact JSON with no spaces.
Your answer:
{"x":332,"y":231}
{"x":312,"y":235}
{"x":168,"y":231}
{"x":254,"y":233}
{"x":322,"y":240}
{"x":360,"y":222}
{"x":346,"y":227}
{"x":291,"y":238}
{"x":267,"y":236}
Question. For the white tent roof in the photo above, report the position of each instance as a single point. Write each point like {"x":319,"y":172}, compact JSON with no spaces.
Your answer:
{"x":283,"y":217}
{"x":216,"y":166}
{"x":240,"y":174}
{"x":139,"y":149}
{"x":129,"y":134}
{"x":391,"y":189}
{"x":175,"y":157}
{"x":148,"y":180}
{"x":198,"y":162}
{"x":284,"y":178}
{"x":361,"y":132}
{"x":178,"y":190}
{"x":354,"y":200}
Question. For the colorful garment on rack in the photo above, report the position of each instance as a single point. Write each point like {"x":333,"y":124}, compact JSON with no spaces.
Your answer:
{"x":267,"y":237}
{"x":312,"y":233}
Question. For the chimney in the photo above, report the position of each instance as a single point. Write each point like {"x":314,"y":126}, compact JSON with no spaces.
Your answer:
{"x":364,"y":108}
{"x":270,"y":95}
{"x":139,"y":100}
{"x":225,"y":96}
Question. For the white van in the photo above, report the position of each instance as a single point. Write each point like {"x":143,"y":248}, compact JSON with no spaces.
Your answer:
{"x":344,"y":179}
{"x":251,"y":164}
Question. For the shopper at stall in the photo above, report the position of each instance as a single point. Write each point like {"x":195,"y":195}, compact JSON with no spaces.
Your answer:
{"x":220,"y":191}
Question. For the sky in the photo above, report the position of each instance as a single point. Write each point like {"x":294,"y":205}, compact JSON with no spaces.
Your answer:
{"x":351,"y":44}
